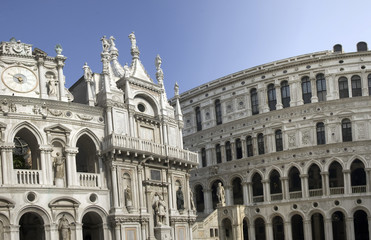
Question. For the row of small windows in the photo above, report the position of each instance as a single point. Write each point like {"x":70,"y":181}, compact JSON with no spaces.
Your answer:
{"x":346,"y":129}
{"x":356,"y":85}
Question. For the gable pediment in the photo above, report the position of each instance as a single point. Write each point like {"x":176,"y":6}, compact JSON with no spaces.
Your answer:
{"x":67,"y":202}
{"x":57,"y":128}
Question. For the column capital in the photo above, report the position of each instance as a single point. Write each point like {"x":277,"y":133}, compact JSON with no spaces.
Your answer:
{"x":324,"y":173}
{"x":303,"y":175}
{"x":72,"y":150}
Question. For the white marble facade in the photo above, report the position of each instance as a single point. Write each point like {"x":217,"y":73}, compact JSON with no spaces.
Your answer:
{"x":290,"y":143}
{"x":93,"y":161}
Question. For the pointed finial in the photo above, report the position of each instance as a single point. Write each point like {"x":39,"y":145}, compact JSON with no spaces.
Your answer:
{"x":88,"y":74}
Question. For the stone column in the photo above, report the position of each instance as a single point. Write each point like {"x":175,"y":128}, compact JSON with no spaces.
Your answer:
{"x":117,"y":231}
{"x":233,"y":149}
{"x":251,"y":230}
{"x":46,"y":164}
{"x":72,"y":180}
{"x":347,"y":182}
{"x":78,"y":231}
{"x":90,"y":96}
{"x":313,"y":84}
{"x":299,"y":92}
{"x":142,"y":205}
{"x":288,"y":231}
{"x":325,"y":185}
{"x":269,"y":230}
{"x":228,"y":195}
{"x":7,"y":164}
{"x":328,"y":228}
{"x":243,"y":145}
{"x":369,"y":226}
{"x":266,"y":190}
{"x":278,"y":96}
{"x":210,"y":149}
{"x":350,"y":86}
{"x":248,"y":104}
{"x":109,"y":119}
{"x":245,"y":193}
{"x":364,"y":83}
{"x":255,"y":147}
{"x":115,"y":194}
{"x":237,"y":233}
{"x":285,"y":188}
{"x":172,"y":197}
{"x":304,"y":185}
{"x":262,"y":94}
{"x":60,"y":65}
{"x":349,"y":225}
{"x":186,"y":193}
{"x":250,"y":192}
{"x":222,"y":151}
{"x":368,"y":180}
{"x":208,"y":201}
{"x":307,"y":229}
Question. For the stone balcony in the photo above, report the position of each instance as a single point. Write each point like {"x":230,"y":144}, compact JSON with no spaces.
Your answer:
{"x":149,"y":148}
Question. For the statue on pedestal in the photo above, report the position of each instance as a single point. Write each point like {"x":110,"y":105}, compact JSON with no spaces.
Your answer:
{"x":133,"y":40}
{"x":52,"y":87}
{"x":191,"y":200}
{"x":128,"y":197}
{"x":180,"y":199}
{"x":105,"y":44}
{"x":220,"y":193}
{"x":160,"y":211}
{"x":88,"y":74}
{"x":59,"y":166}
{"x":64,"y":228}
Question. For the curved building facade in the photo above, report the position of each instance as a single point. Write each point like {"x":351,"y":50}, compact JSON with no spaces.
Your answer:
{"x":290,"y":142}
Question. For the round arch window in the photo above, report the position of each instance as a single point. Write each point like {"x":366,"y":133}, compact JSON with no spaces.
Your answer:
{"x":141,"y":107}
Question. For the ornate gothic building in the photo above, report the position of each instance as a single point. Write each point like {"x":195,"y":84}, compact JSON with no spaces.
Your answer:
{"x":101,"y":160}
{"x":290,"y":143}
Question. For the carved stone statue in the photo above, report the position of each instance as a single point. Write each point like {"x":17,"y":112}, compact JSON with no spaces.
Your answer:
{"x":58,"y":49}
{"x":159,"y":72}
{"x":64,"y":228}
{"x":128,"y":197}
{"x":59,"y":166}
{"x":88,"y":74}
{"x":220,"y":193}
{"x":179,"y":199}
{"x":133,"y":40}
{"x":112,"y":42}
{"x":176,"y":89}
{"x":160,"y":211}
{"x":191,"y":200}
{"x":52,"y":87}
{"x":127,"y":71}
{"x":105,"y":44}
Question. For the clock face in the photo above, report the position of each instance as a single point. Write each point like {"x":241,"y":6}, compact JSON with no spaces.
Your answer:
{"x":19,"y":79}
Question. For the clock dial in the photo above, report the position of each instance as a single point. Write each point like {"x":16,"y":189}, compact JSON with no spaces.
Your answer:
{"x":19,"y":79}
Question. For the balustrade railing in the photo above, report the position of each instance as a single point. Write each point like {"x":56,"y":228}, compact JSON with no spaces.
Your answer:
{"x":145,"y":146}
{"x":295,"y":195}
{"x":359,"y":189}
{"x":315,"y":192}
{"x":336,"y":190}
{"x":89,"y":179}
{"x":27,"y":177}
{"x":256,"y":199}
{"x":276,"y":197}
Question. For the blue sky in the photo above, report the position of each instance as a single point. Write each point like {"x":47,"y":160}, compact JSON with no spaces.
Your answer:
{"x":198,"y":40}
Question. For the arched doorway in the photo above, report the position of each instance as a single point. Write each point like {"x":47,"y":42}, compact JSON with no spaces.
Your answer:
{"x":297,"y":227}
{"x":200,"y":204}
{"x":92,"y":228}
{"x":237,"y":191}
{"x":338,"y":226}
{"x":259,"y":226}
{"x":318,"y":230}
{"x":278,"y":228}
{"x":31,"y":227}
{"x":227,"y":229}
{"x":361,"y":226}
